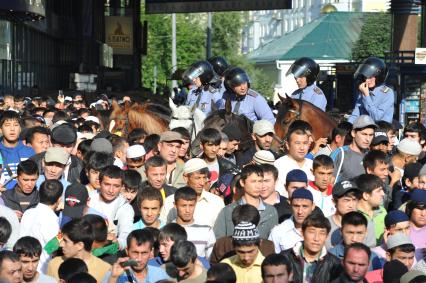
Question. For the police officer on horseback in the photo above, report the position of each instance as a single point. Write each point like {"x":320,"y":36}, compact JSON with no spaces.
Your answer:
{"x":202,"y":75}
{"x":220,"y":65}
{"x":305,"y":71}
{"x":375,"y":98}
{"x":244,"y":100}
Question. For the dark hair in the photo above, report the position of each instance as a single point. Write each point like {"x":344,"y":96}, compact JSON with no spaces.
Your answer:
{"x":411,"y":205}
{"x":385,"y":126}
{"x":84,"y":147}
{"x":27,"y":246}
{"x":85,"y":128}
{"x":357,"y":246}
{"x":135,"y":135}
{"x":149,"y":193}
{"x":269,"y":168}
{"x":339,"y":131}
{"x":8,"y":255}
{"x":151,"y":143}
{"x":418,"y":279}
{"x":222,"y":272}
{"x":373,"y":158}
{"x":131,"y":180}
{"x":183,"y":132}
{"x":59,"y":115}
{"x":71,"y":266}
{"x":81,"y":277}
{"x":141,"y":236}
{"x":316,"y":220}
{"x":5,"y":230}
{"x":210,"y":135}
{"x":300,"y":125}
{"x":28,"y":167}
{"x":182,"y":253}
{"x":354,"y":218}
{"x":247,"y":213}
{"x":275,"y":260}
{"x":295,"y":131}
{"x":185,"y":193}
{"x":322,"y":161}
{"x":36,"y":130}
{"x":10,"y":115}
{"x":111,"y":171}
{"x":414,"y":127}
{"x":117,"y":142}
{"x":50,"y":191}
{"x":99,"y":227}
{"x":367,"y":183}
{"x":79,"y":230}
{"x":351,"y":193}
{"x":251,"y":169}
{"x":98,"y":160}
{"x":155,"y":161}
{"x":406,"y":248}
{"x":172,"y":231}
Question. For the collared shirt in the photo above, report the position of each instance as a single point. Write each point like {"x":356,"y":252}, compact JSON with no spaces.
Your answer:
{"x":206,"y":210}
{"x":312,"y":94}
{"x":154,"y":274}
{"x":324,"y":202}
{"x":378,"y":219}
{"x":205,"y":98}
{"x":250,"y":274}
{"x":308,"y":267}
{"x":285,"y":235}
{"x":375,"y":262}
{"x":284,"y":165}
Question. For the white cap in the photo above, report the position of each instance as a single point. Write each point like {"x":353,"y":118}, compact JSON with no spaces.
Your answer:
{"x":93,"y":119}
{"x":409,"y":146}
{"x":135,"y":151}
{"x":194,"y":165}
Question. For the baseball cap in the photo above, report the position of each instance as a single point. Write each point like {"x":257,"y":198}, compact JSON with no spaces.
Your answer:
{"x":56,"y":154}
{"x":364,"y":121}
{"x":76,"y":197}
{"x":64,"y":134}
{"x":262,"y":127}
{"x":342,"y":187}
{"x":380,"y":137}
{"x":171,"y":136}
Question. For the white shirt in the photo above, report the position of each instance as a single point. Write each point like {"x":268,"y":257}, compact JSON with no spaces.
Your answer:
{"x":285,"y":235}
{"x":325,"y":203}
{"x":284,"y":165}
{"x":41,"y":223}
{"x":118,"y":210}
{"x":206,"y":210}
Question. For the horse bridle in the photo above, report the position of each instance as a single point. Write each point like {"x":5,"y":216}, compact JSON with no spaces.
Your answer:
{"x":298,"y":114}
{"x":193,"y":128}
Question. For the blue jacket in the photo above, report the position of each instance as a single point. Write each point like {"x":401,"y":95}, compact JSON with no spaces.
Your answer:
{"x":12,"y":157}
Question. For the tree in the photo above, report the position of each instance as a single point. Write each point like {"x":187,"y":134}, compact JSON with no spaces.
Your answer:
{"x":375,"y":37}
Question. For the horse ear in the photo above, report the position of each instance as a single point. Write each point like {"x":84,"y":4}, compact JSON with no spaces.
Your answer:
{"x":283,"y":99}
{"x":228,"y":106}
{"x":213,"y":106}
{"x":172,"y":105}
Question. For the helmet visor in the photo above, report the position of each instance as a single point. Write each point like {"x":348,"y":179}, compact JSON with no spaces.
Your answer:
{"x":239,"y":79}
{"x":367,"y":71}
{"x":298,"y":71}
{"x":193,"y":72}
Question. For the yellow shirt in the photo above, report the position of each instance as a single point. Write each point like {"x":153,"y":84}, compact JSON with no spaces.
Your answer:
{"x":96,"y":266}
{"x":251,"y":274}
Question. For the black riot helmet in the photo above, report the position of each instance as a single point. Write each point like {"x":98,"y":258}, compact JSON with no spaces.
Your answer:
{"x":369,"y":68}
{"x":304,"y":67}
{"x":235,"y":77}
{"x":219,"y":64}
{"x":201,"y":69}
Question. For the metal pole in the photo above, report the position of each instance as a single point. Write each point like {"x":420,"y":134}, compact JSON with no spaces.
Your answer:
{"x":155,"y":79}
{"x":209,"y":36}
{"x":174,"y":60}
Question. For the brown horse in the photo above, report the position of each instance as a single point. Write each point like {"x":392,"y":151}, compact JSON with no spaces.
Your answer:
{"x":295,"y":109}
{"x":153,"y":118}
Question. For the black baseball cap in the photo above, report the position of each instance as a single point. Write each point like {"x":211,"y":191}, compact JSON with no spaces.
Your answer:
{"x":342,"y":187}
{"x":76,"y":197}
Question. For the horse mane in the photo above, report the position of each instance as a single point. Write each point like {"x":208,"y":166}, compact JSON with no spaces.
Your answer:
{"x":139,"y":116}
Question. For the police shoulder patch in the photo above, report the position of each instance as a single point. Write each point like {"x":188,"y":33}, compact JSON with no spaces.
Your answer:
{"x":384,"y":89}
{"x":253,"y":93}
{"x":317,"y":90}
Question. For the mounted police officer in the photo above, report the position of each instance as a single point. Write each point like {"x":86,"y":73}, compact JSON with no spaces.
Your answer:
{"x":244,"y":100}
{"x":220,"y":65}
{"x":305,"y":71}
{"x":375,"y":98}
{"x":202,"y":75}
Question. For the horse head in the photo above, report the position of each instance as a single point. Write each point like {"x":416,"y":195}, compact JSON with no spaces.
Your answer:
{"x":118,"y":117}
{"x":191,"y":118}
{"x":288,"y":111}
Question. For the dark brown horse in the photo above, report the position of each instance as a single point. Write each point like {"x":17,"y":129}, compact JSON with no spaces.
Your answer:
{"x":295,"y":109}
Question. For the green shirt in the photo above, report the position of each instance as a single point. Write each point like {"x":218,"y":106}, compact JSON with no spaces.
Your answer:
{"x":378,"y":220}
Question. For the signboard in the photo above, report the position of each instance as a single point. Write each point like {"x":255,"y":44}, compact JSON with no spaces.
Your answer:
{"x":198,"y":6}
{"x":420,"y":56}
{"x":119,"y":34}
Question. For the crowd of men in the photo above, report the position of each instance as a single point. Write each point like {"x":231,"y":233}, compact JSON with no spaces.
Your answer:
{"x":81,"y":204}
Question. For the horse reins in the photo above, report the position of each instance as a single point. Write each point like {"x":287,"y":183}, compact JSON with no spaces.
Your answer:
{"x":298,"y":114}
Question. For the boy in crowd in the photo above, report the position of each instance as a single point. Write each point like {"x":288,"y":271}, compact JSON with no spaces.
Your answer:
{"x":371,"y":202}
{"x":409,"y":182}
{"x":380,"y":141}
{"x":355,"y":264}
{"x":408,"y":151}
{"x":29,"y":251}
{"x":150,"y":202}
{"x":376,"y":163}
{"x":184,"y":259}
{"x":321,"y":188}
{"x":276,"y":268}
{"x":129,"y":190}
{"x":96,"y":162}
{"x":416,"y":209}
{"x":247,"y":260}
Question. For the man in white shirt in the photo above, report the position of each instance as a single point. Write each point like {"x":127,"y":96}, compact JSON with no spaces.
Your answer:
{"x":208,"y":205}
{"x":108,"y":201}
{"x":297,"y":144}
{"x":289,"y":233}
{"x":41,"y":221}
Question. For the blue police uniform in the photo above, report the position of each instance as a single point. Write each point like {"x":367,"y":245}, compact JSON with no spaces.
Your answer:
{"x":312,"y":94}
{"x":203,"y":99}
{"x":252,"y":105}
{"x":378,"y":105}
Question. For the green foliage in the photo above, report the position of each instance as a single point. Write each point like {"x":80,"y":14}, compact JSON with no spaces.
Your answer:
{"x":375,"y":37}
